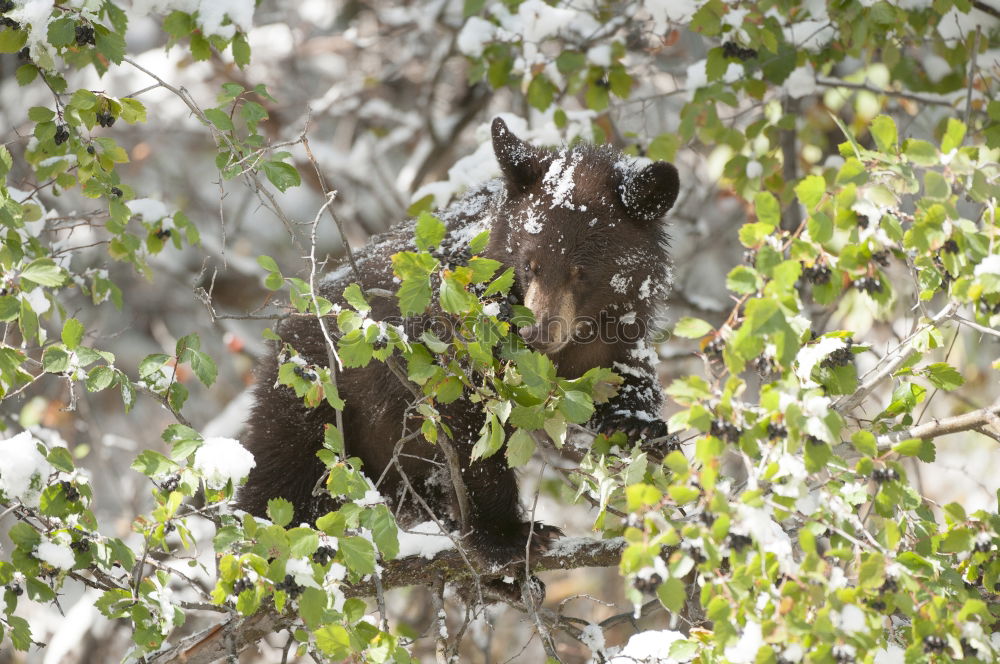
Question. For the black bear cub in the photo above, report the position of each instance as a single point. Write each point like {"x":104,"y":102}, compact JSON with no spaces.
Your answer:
{"x":583,"y":229}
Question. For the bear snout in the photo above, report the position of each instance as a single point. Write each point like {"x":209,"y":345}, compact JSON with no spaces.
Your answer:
{"x":548,"y":336}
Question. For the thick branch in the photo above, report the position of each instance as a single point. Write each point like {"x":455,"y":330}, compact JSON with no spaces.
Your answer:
{"x":943,"y":427}
{"x":210,"y":645}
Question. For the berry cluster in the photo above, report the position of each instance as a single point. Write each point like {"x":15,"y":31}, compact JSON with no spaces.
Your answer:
{"x":170,"y":483}
{"x":16,"y":588}
{"x":707,"y":518}
{"x":727,"y":431}
{"x":648,"y":585}
{"x":843,"y":653}
{"x":713,"y":349}
{"x":934,"y":643}
{"x":816,"y":274}
{"x":878,"y":605}
{"x":983,"y":543}
{"x":72,"y":495}
{"x":950,"y":246}
{"x":380,"y":342}
{"x":881,"y":475}
{"x":62,"y":135}
{"x":738,"y":542}
{"x":289,"y":586}
{"x":864,"y":221}
{"x":116,"y":192}
{"x":304,"y":373}
{"x":91,"y":149}
{"x":239,"y":585}
{"x":13,"y":25}
{"x":733,"y":50}
{"x":105,"y":119}
{"x":169,"y":527}
{"x":775,"y":430}
{"x":694,"y":551}
{"x":766,"y":368}
{"x":81,"y":545}
{"x":6,"y":6}
{"x":840,"y":357}
{"x":868,"y":284}
{"x":85,"y":35}
{"x":163,"y":233}
{"x":323,"y":555}
{"x":889,"y":585}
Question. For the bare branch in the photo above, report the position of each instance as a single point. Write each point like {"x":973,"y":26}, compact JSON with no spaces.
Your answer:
{"x":974,"y":420}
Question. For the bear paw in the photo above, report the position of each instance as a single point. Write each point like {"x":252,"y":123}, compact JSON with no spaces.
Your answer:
{"x":634,"y":428}
{"x":505,"y":545}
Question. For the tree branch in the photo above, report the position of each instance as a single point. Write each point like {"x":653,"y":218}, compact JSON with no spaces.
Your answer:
{"x":965,"y":422}
{"x":211,"y":644}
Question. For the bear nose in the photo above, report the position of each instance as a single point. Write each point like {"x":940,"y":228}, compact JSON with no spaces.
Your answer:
{"x":531,"y":334}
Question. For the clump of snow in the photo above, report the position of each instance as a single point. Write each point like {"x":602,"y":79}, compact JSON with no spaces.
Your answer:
{"x":56,"y":554}
{"x":302,"y":571}
{"x":765,"y":531}
{"x":592,"y":636}
{"x":989,"y":265}
{"x":671,"y":11}
{"x":812,"y":354}
{"x":474,"y":35}
{"x":220,"y":460}
{"x":211,"y":14}
{"x":371,"y":497}
{"x":600,"y":55}
{"x":754,"y":169}
{"x":850,"y":619}
{"x":425,"y":539}
{"x":745,"y":649}
{"x":652,"y":647}
{"x":801,"y":82}
{"x":23,"y":469}
{"x":149,"y":209}
{"x":892,"y":654}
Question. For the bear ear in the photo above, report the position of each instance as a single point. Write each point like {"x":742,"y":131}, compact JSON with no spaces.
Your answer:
{"x":651,"y":192}
{"x":522,"y":164}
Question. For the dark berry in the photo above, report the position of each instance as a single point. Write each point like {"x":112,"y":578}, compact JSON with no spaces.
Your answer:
{"x":878,"y":605}
{"x":843,"y":654}
{"x":775,"y":430}
{"x":816,"y":274}
{"x":864,"y":221}
{"x":24,"y":54}
{"x":950,"y":246}
{"x":62,"y":135}
{"x":13,"y":25}
{"x":983,"y":543}
{"x":304,"y":373}
{"x":889,"y":585}
{"x":881,"y":475}
{"x":749,"y":256}
{"x":713,"y":349}
{"x":81,"y":545}
{"x":934,"y":643}
{"x":323,"y":555}
{"x":6,"y":6}
{"x":648,"y":585}
{"x":725,"y":430}
{"x":116,"y":192}
{"x":289,"y":586}
{"x":733,"y":50}
{"x":84,"y":35}
{"x":738,"y":542}
{"x":163,"y":233}
{"x":840,"y":357}
{"x":868,"y":284}
{"x":380,"y":342}
{"x":105,"y":119}
{"x":91,"y":150}
{"x":694,"y":551}
{"x":169,"y":527}
{"x":239,"y":585}
{"x":170,"y":483}
{"x":707,"y":518}
{"x":813,"y":440}
{"x":16,"y":589}
{"x":72,"y":495}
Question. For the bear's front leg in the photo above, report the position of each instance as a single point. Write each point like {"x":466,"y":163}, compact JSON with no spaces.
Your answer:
{"x":499,"y":532}
{"x":635,"y":410}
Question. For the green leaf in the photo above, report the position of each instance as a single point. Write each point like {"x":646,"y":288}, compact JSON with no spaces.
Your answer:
{"x":541,"y":92}
{"x":281,"y":175}
{"x":943,"y":376}
{"x":671,"y":594}
{"x":62,"y":32}
{"x":110,"y":44}
{"x":454,"y":298}
{"x":219,"y":118}
{"x":920,"y":152}
{"x":356,"y":299}
{"x":10,"y":308}
{"x":577,"y":406}
{"x":429,"y":231}
{"x":241,"y":50}
{"x":333,"y":641}
{"x":663,"y":147}
{"x":358,"y":554}
{"x":936,"y":187}
{"x":12,"y":41}
{"x":768,"y":209}
{"x":810,"y":191}
{"x":72,"y":333}
{"x":922,"y":449}
{"x":55,"y":359}
{"x":44,"y":272}
{"x":478,"y":243}
{"x":520,"y":447}
{"x":151,"y":463}
{"x":884,"y":132}
{"x":501,"y":284}
{"x":864,"y":442}
{"x":384,"y":531}
{"x":691,"y":328}
{"x":100,"y":378}
{"x":280,"y":511}
{"x":742,"y":279}
{"x":953,"y":135}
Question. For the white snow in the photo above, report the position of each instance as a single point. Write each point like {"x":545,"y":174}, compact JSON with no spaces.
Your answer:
{"x":149,"y":209}
{"x":892,"y":654}
{"x":812,"y":354}
{"x":592,"y":636}
{"x":23,"y":469}
{"x":765,"y":531}
{"x":302,"y":571}
{"x":745,"y":649}
{"x":474,"y":35}
{"x":57,"y":554}
{"x":801,"y":82}
{"x":754,"y":169}
{"x":850,"y":619}
{"x":371,"y":497}
{"x":210,"y":13}
{"x":670,"y":11}
{"x":652,"y":647}
{"x":600,"y":55}
{"x":989,"y":265}
{"x":222,"y":459}
{"x":425,"y":539}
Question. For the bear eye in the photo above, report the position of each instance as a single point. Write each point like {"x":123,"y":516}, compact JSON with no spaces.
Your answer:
{"x":531,"y":267}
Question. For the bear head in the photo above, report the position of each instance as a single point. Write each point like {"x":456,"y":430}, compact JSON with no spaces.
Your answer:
{"x":582,"y":227}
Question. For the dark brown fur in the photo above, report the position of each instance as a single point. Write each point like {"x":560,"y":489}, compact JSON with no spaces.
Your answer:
{"x":598,"y":249}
